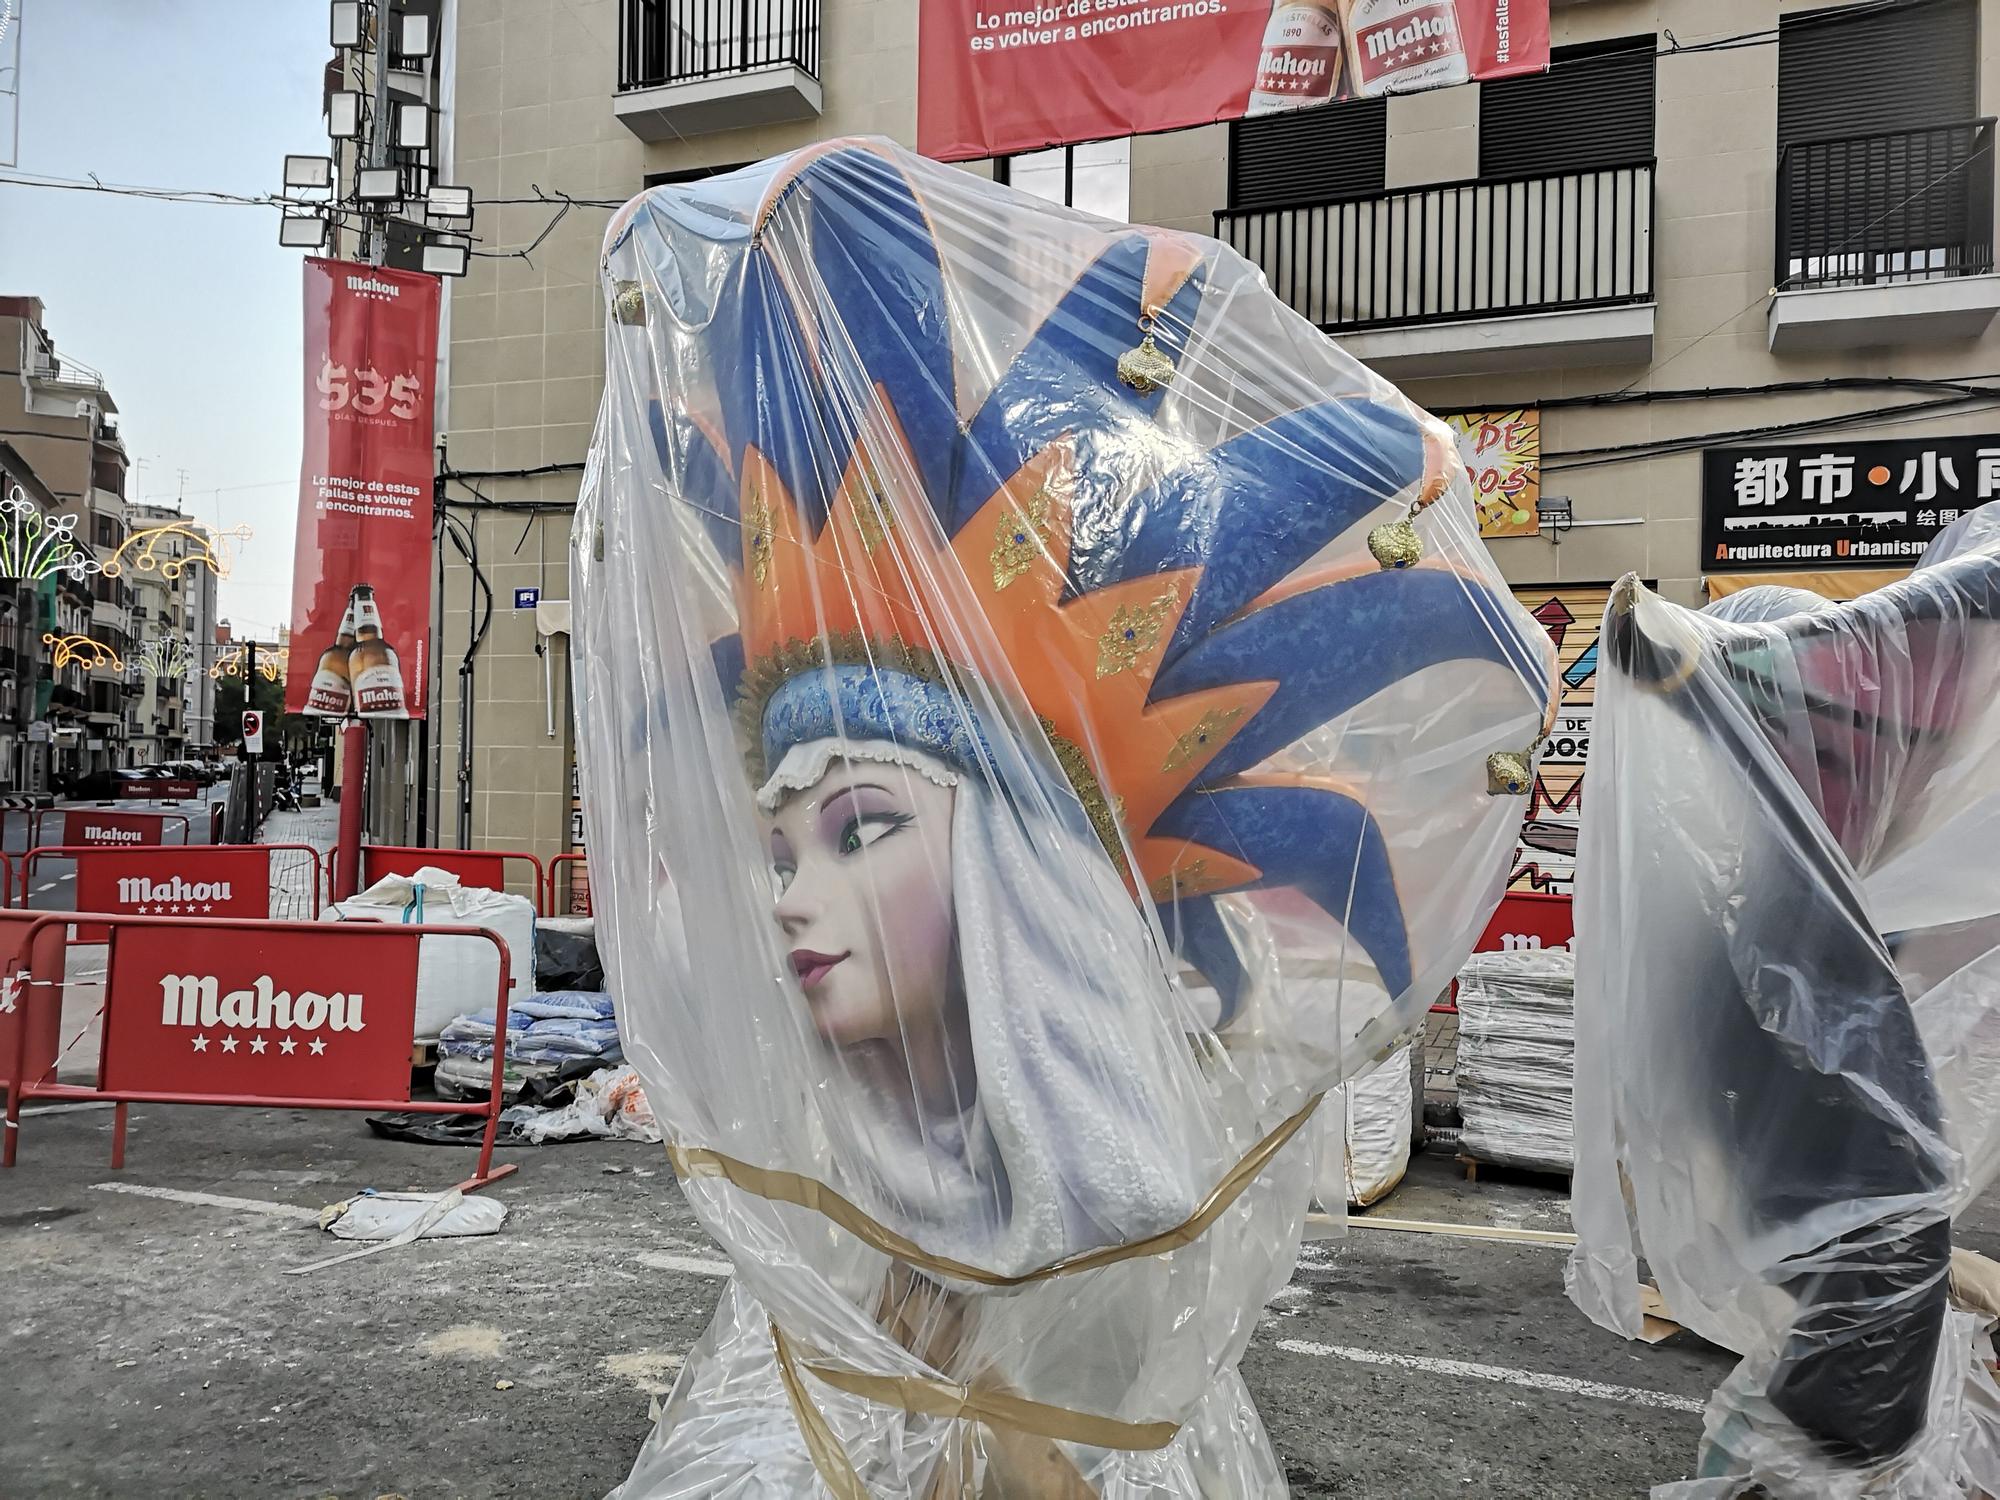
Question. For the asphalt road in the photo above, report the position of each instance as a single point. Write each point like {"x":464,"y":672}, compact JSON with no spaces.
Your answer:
{"x":156,"y":1348}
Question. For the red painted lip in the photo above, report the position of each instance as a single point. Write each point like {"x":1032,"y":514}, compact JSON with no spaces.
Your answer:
{"x":812,"y":967}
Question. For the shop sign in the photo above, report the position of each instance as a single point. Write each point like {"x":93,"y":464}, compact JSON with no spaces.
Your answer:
{"x":1502,"y":451}
{"x":1804,"y":506}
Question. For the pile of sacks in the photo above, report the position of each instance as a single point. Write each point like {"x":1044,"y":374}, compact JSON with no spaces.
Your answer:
{"x":545,"y":1032}
{"x":1517,"y":1058}
{"x":566,"y":1029}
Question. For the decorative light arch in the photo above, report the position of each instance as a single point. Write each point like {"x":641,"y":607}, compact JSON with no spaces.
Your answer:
{"x":141,"y":550}
{"x":82,"y":651}
{"x":166,"y":656}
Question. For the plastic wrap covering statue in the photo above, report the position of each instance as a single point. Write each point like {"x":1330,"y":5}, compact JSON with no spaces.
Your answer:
{"x":1042,"y":711}
{"x":1788,"y":1015}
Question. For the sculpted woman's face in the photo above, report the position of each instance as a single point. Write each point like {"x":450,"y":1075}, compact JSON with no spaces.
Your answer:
{"x":862,"y":863}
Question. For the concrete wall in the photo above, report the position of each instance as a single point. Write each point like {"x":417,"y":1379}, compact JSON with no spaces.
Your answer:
{"x":534,"y":107}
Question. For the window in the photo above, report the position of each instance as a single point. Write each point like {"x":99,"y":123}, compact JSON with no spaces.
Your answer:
{"x":1855,"y":72}
{"x":1095,"y":177}
{"x":1310,"y":155}
{"x":1592,"y":109}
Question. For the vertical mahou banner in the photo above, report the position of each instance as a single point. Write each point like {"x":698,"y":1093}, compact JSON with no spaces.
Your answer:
{"x":361,"y":581}
{"x":999,"y":76}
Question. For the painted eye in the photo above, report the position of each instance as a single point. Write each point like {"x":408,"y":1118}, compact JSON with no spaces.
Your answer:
{"x":871,"y":829}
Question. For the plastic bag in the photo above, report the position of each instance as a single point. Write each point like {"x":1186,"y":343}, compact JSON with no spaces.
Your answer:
{"x":610,"y":1103}
{"x":1788,"y":1017}
{"x":566,"y":954}
{"x":1041,"y":709}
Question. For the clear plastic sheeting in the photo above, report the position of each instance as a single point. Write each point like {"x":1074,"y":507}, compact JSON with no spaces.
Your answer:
{"x":1517,"y":1058}
{"x":1788,"y":1029}
{"x":1041,"y":713}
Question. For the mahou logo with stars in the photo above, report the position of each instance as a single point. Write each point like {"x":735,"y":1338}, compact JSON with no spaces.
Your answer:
{"x":291,"y":1013}
{"x":199,"y":881}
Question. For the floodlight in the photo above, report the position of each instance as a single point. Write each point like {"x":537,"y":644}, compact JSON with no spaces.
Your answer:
{"x":379,"y":185}
{"x":446,"y":257}
{"x":343,"y":115}
{"x":413,"y":126}
{"x":345,"y":28}
{"x":416,"y":33}
{"x":302,"y":231}
{"x":445,"y":203}
{"x":309,"y":173}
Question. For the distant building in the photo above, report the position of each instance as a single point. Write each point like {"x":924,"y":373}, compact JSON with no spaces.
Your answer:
{"x":57,"y":414}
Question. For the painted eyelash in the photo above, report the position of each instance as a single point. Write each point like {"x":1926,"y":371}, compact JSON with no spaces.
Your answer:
{"x":896,"y":820}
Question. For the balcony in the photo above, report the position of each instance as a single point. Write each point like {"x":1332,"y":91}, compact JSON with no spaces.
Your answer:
{"x":1467,"y":277}
{"x":686,"y":67}
{"x":1885,"y":238}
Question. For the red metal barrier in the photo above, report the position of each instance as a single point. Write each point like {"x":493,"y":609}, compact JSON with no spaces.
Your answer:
{"x":162,"y":790}
{"x":481,"y":867}
{"x":109,"y":830}
{"x":579,"y":891}
{"x":214,"y":1011}
{"x":196,"y":880}
{"x":1528,"y":919}
{"x":28,"y":1040}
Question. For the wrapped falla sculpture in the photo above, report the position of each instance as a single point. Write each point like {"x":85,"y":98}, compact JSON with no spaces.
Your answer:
{"x":1788,"y":1015}
{"x":1047,"y":716}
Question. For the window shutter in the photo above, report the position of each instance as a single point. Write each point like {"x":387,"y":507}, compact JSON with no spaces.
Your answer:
{"x":1899,"y":69}
{"x":1593,"y":108}
{"x":1309,"y":155}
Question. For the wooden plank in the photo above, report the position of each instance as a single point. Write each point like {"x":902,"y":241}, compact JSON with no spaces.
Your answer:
{"x":1500,"y":1232}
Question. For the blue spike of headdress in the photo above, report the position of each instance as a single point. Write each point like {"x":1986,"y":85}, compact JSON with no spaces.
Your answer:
{"x":1316,"y":840}
{"x":1253,"y":509}
{"x":1196,"y":932}
{"x":1335,"y":646}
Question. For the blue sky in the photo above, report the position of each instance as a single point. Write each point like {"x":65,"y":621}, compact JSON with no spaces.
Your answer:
{"x":192,"y":312}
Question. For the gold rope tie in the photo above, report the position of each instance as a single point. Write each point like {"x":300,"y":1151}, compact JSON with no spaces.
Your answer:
{"x":807,"y":1192}
{"x":925,"y":1396}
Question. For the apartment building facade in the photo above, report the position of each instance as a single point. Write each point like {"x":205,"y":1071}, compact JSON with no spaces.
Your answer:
{"x":1727,"y":257}
{"x":60,"y":418}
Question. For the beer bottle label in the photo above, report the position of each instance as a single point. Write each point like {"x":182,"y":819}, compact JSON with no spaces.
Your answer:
{"x":378,"y":689}
{"x":1412,"y":45}
{"x":329,"y":693}
{"x":1300,"y":61}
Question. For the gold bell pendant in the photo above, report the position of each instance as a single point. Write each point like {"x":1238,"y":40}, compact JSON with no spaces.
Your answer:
{"x":1147,"y":368}
{"x":628,"y":303}
{"x":1509,"y":773}
{"x":1396,"y":544}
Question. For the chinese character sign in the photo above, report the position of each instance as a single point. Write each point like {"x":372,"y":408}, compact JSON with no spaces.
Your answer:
{"x":1503,"y":457}
{"x":1838,"y":504}
{"x":361,"y":601}
{"x":993,"y":79}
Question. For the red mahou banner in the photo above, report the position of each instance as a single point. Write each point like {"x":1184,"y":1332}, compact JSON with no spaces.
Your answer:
{"x":361,"y":578}
{"x":1000,"y":76}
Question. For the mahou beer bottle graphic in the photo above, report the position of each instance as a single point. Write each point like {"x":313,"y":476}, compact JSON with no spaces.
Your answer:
{"x":377,"y":675}
{"x":1401,"y":45}
{"x":331,"y":692}
{"x":1301,"y":60}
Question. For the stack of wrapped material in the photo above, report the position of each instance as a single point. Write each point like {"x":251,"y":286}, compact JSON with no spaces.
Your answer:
{"x":1516,"y":1058}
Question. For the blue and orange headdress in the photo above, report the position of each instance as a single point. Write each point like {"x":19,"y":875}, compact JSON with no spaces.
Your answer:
{"x":1164,"y":604}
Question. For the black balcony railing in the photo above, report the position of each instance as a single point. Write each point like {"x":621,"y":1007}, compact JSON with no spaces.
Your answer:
{"x":1486,"y":248}
{"x":1895,"y":205}
{"x":676,"y":41}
